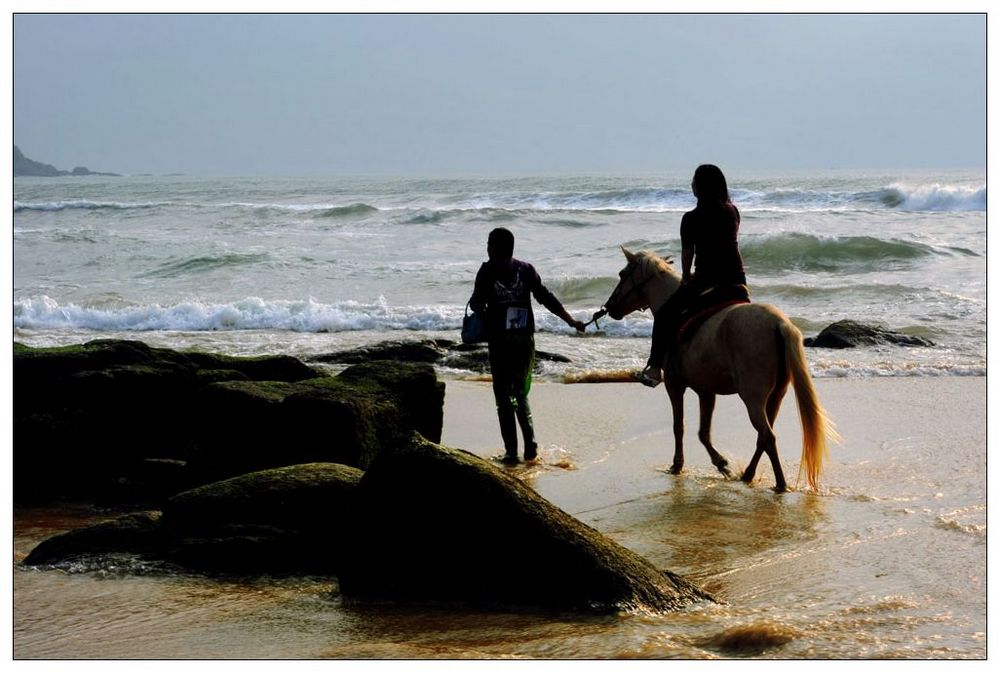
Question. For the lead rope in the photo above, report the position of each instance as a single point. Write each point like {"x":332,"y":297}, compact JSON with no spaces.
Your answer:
{"x":593,"y":319}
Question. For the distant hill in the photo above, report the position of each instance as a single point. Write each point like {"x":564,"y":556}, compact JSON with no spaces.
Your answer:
{"x":23,"y":166}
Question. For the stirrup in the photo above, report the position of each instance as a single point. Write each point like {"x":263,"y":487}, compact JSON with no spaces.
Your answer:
{"x":647,"y":378}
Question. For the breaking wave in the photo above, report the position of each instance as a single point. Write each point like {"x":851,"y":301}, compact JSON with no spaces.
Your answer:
{"x":806,"y":252}
{"x":504,"y":204}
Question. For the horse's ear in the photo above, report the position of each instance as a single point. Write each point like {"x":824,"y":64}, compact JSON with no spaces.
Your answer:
{"x":628,"y":255}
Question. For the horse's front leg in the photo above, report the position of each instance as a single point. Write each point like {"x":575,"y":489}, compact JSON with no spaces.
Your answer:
{"x":676,"y":394}
{"x":706,"y":402}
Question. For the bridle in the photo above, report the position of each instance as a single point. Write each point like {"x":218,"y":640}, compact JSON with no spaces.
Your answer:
{"x":627,"y":275}
{"x":634,"y":285}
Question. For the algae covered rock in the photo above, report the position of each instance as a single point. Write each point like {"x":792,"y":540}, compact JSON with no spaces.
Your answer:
{"x":121,"y":422}
{"x":425,"y":524}
{"x":285,"y":520}
{"x":850,"y":334}
{"x":443,"y":352}
{"x":281,"y":521}
{"x":136,"y":533}
{"x":86,"y":415}
{"x":443,"y":526}
{"x":248,"y":426}
{"x":425,"y":350}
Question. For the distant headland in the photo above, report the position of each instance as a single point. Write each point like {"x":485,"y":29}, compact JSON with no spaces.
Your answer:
{"x":23,"y":166}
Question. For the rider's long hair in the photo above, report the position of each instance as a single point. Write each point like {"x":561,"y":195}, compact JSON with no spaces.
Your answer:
{"x":710,"y":186}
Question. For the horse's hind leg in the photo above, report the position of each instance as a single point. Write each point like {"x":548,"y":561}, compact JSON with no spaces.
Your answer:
{"x":774,"y":402}
{"x":766,"y":443}
{"x":706,"y":403}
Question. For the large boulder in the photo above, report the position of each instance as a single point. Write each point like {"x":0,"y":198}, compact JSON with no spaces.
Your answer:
{"x":286,"y":520}
{"x":87,"y":416}
{"x":443,"y":526}
{"x":443,"y":352}
{"x":247,"y":426}
{"x":123,"y":423}
{"x":425,"y":524}
{"x":850,"y":334}
{"x":136,"y":533}
{"x":425,"y":350}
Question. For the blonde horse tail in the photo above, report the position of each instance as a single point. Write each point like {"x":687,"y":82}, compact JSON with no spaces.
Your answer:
{"x":816,"y":425}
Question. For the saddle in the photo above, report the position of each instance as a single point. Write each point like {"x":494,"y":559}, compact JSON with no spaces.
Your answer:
{"x":707,"y":303}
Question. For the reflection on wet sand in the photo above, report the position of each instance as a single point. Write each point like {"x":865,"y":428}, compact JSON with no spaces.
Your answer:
{"x":713,"y":530}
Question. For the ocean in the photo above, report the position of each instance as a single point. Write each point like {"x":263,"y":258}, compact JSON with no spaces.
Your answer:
{"x":311,"y":265}
{"x":886,"y":561}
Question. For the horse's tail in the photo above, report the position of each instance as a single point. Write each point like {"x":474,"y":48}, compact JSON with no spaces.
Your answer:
{"x":816,"y":426}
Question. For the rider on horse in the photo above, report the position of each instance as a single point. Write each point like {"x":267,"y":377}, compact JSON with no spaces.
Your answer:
{"x":709,"y":242}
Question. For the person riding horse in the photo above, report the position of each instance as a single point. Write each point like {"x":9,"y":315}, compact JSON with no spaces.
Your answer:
{"x":709,"y":243}
{"x":750,"y":350}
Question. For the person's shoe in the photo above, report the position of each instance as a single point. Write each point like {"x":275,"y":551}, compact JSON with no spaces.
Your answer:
{"x":531,"y":453}
{"x":650,"y":376}
{"x":509,"y":459}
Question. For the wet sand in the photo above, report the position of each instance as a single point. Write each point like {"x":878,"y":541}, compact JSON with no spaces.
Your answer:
{"x":617,"y":436}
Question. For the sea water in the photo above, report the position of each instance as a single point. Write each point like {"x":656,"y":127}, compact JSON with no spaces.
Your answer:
{"x":310,"y":265}
{"x":887,"y":561}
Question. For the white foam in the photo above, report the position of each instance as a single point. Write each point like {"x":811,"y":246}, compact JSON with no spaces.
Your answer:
{"x":938,"y":197}
{"x":250,"y":313}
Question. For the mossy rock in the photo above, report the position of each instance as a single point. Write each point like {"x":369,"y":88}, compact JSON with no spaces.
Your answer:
{"x":442,"y":526}
{"x":285,"y":520}
{"x":245,"y":426}
{"x":289,"y":520}
{"x":89,"y":418}
{"x":305,"y":496}
{"x":137,"y":533}
{"x":426,"y":350}
{"x":851,"y":334}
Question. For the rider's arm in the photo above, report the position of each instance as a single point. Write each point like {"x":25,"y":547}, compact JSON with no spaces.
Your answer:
{"x":687,"y":257}
{"x":688,"y":224}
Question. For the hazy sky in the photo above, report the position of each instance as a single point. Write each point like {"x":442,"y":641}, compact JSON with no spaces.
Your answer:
{"x":439,"y":94}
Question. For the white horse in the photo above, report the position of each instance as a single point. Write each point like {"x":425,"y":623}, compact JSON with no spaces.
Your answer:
{"x":752,"y":350}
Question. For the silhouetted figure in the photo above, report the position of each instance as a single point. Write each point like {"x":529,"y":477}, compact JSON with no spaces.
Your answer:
{"x":503,"y":289}
{"x":709,"y":244}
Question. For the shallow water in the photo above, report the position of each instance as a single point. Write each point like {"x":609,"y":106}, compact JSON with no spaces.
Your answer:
{"x":887,"y":560}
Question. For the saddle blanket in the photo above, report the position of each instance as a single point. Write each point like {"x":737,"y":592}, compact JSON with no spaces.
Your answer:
{"x":708,"y":303}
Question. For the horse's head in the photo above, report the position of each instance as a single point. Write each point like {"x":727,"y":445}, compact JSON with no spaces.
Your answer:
{"x":634,"y":291}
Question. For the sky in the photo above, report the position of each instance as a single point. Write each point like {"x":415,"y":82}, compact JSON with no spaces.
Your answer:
{"x":498,"y":94}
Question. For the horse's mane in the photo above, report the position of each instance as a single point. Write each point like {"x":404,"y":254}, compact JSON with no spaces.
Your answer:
{"x":653,"y":263}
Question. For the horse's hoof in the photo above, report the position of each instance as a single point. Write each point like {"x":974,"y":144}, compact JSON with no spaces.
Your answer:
{"x":746,"y":478}
{"x":676,"y":469}
{"x":724,"y":469}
